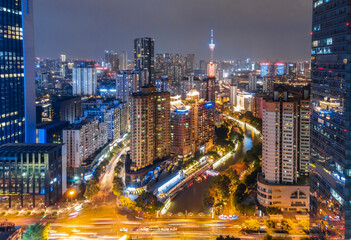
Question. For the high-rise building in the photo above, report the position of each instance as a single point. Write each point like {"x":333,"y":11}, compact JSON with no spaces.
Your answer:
{"x":112,"y":60}
{"x":279,"y":68}
{"x":83,"y":139}
{"x":150,"y":129}
{"x":268,"y":84}
{"x":252,"y":82}
{"x":66,"y":109}
{"x":17,"y":84}
{"x":331,"y":102}
{"x":123,"y":80}
{"x":144,"y":57}
{"x":202,"y":120}
{"x":84,"y":78}
{"x":182,"y":142}
{"x":285,"y":151}
{"x":265,"y":69}
{"x":34,"y":172}
{"x":233,"y":95}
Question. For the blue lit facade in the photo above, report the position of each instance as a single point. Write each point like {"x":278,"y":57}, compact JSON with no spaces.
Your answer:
{"x":17,"y":90}
{"x":264,"y":69}
{"x":331,"y":107}
{"x":280,"y":69}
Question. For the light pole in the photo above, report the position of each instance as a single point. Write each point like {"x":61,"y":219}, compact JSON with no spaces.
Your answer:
{"x":71,"y":194}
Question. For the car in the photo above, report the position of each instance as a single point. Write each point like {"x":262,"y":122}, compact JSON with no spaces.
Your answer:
{"x":123,"y":230}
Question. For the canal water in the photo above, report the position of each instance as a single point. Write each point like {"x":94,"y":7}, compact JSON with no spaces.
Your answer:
{"x":191,"y":198}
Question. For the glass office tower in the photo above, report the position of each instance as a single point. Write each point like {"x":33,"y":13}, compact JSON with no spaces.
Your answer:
{"x":331,"y":96}
{"x":144,"y":56}
{"x":17,"y":92}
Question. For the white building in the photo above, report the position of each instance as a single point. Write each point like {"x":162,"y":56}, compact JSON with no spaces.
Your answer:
{"x":84,"y":78}
{"x":285,"y":152}
{"x":83,"y":139}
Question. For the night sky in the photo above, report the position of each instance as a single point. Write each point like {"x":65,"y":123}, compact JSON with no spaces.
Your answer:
{"x":260,"y":29}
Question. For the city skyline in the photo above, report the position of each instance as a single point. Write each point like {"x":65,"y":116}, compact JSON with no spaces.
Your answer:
{"x":243,"y":29}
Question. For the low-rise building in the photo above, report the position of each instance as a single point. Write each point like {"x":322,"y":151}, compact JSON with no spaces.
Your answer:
{"x":33,"y":172}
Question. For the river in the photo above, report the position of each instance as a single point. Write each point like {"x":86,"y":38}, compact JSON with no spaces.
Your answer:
{"x":190,"y":199}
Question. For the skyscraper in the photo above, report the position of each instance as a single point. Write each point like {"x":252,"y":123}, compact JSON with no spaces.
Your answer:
{"x":112,"y":59}
{"x":150,"y":129}
{"x":252,"y":82}
{"x":17,"y":85}
{"x":285,"y":151}
{"x":144,"y":56}
{"x":331,"y":102}
{"x":84,"y":78}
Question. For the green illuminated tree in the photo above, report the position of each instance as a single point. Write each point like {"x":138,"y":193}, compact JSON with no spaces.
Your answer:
{"x":92,"y":189}
{"x":36,"y":232}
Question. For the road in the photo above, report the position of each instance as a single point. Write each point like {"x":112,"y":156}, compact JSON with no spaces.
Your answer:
{"x":106,"y":180}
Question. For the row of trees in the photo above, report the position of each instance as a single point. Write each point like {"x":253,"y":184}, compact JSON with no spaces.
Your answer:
{"x":285,"y":224}
{"x":117,"y":182}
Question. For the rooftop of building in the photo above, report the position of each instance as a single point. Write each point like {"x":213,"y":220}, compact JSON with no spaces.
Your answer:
{"x":80,"y":123}
{"x":50,"y":124}
{"x":301,"y":181}
{"x":29,"y":148}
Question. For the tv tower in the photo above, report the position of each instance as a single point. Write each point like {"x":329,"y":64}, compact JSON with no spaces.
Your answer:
{"x":212,"y":46}
{"x":211,"y":66}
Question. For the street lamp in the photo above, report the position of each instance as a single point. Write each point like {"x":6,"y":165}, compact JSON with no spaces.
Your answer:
{"x":71,"y":193}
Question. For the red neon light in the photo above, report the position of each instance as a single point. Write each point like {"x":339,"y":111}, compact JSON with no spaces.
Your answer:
{"x":347,"y":24}
{"x":320,"y":68}
{"x":101,"y":68}
{"x":265,"y":63}
{"x":279,"y":63}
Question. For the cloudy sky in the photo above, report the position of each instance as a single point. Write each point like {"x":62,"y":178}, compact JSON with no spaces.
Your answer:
{"x":259,"y":29}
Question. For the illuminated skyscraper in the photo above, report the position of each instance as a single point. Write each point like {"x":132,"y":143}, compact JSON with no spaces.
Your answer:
{"x":144,"y":56}
{"x":264,"y":69}
{"x":17,"y":85}
{"x":112,"y":59}
{"x":84,"y":78}
{"x":150,"y":127}
{"x":285,"y":151}
{"x":331,"y":102}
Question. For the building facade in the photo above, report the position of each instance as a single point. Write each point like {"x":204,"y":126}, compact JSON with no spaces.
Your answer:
{"x":32,"y":172}
{"x":150,"y":129}
{"x":17,"y":85}
{"x":331,"y":130}
{"x":84,"y":78}
{"x":144,"y":57}
{"x":83,"y":139}
{"x":285,"y":149}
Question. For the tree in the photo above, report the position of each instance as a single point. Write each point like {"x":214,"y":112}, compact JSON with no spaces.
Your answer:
{"x":245,"y":209}
{"x":305,"y":224}
{"x":92,"y":189}
{"x":273,"y":210}
{"x":118,"y":186}
{"x":219,"y":188}
{"x":148,"y":202}
{"x":128,"y":203}
{"x":233,"y":175}
{"x":287,"y":224}
{"x":36,"y":232}
{"x":252,"y":225}
{"x":270,"y":223}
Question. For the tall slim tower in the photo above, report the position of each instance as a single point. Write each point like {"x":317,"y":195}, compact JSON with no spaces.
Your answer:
{"x":17,"y":86}
{"x":211,"y":66}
